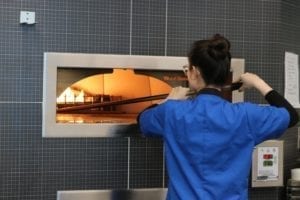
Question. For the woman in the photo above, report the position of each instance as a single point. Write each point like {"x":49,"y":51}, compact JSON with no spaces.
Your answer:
{"x":208,"y":140}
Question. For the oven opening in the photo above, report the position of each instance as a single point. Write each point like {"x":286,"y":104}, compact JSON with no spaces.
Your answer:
{"x":112,"y":95}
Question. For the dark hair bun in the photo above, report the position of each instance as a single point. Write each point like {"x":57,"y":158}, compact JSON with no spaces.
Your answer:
{"x":219,"y":47}
{"x":212,"y":57}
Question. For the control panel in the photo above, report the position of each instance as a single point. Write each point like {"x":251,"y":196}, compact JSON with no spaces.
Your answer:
{"x":267,"y":164}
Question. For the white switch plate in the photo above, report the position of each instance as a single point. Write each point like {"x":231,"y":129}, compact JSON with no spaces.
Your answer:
{"x":268,"y":180}
{"x":27,"y":17}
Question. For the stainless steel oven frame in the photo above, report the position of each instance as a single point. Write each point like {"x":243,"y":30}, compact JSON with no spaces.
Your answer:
{"x":54,"y":60}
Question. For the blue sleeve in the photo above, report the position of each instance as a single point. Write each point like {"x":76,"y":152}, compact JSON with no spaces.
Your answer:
{"x":267,"y":122}
{"x":151,"y":121}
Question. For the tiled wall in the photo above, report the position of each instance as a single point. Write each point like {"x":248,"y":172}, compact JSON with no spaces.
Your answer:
{"x":34,"y":168}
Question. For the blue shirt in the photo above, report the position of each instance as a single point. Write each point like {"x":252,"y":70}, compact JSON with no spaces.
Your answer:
{"x":209,"y":143}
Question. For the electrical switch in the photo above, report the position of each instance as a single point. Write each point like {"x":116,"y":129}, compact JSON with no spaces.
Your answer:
{"x":27,"y":17}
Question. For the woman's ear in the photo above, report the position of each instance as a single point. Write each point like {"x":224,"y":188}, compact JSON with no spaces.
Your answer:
{"x":195,"y":73}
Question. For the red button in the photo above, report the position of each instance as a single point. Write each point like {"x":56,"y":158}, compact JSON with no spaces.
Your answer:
{"x":268,"y":156}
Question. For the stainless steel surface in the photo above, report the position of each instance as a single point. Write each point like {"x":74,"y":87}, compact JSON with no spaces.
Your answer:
{"x":121,"y":194}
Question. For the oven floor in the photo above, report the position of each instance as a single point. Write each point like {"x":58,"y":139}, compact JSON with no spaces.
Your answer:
{"x":95,"y":118}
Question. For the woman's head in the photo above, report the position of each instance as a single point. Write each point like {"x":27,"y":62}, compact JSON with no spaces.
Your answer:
{"x":212,"y":58}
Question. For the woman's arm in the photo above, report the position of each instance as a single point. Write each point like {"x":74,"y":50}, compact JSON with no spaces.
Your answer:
{"x":273,"y":98}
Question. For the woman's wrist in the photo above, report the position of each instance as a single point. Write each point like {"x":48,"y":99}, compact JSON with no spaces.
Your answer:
{"x":262,"y":87}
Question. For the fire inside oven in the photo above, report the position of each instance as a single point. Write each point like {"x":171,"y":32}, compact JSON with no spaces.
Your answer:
{"x":112,"y":95}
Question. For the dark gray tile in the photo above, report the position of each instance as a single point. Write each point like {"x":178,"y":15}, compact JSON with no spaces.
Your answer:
{"x":215,"y":26}
{"x":140,"y":26}
{"x":235,"y":9}
{"x":177,"y":8}
{"x":264,"y":193}
{"x":140,"y":46}
{"x":157,"y":26}
{"x":12,"y":161}
{"x":271,"y":10}
{"x":119,"y":24}
{"x":30,"y":185}
{"x":77,"y":5}
{"x":55,"y":42}
{"x":254,"y":10}
{"x":197,"y":9}
{"x":120,"y":6}
{"x":119,"y":44}
{"x":157,"y":8}
{"x":75,"y":160}
{"x":177,"y":46}
{"x":10,"y":4}
{"x":77,"y":43}
{"x":30,"y":154}
{"x":253,"y":31}
{"x":74,"y":180}
{"x":9,"y":185}
{"x":99,"y":24}
{"x":31,"y":89}
{"x":96,"y":179}
{"x":77,"y":21}
{"x":270,"y":31}
{"x":196,"y":29}
{"x":56,"y":5}
{"x":177,"y":27}
{"x":32,"y":5}
{"x":116,"y":179}
{"x":10,"y":16}
{"x":99,"y":6}
{"x":157,"y":46}
{"x":32,"y":42}
{"x":235,"y":30}
{"x":53,"y":160}
{"x":237,"y":52}
{"x":55,"y":21}
{"x":11,"y":42}
{"x":271,"y":54}
{"x":140,"y":7}
{"x":99,"y":43}
{"x":146,"y":179}
{"x":146,"y":163}
{"x":52,"y":181}
{"x":252,"y":52}
{"x":32,"y":68}
{"x":216,"y":9}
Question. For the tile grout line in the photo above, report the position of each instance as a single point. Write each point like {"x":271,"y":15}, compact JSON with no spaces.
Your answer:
{"x":128,"y":164}
{"x":130,"y":28}
{"x":166,"y":28}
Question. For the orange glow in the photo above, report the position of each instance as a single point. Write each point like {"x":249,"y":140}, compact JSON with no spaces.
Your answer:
{"x":121,"y":84}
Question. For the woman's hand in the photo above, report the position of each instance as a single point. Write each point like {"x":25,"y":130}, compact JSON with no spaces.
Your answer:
{"x":177,"y":93}
{"x":251,"y":80}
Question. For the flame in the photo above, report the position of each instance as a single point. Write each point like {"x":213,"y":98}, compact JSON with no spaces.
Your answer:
{"x":80,"y":97}
{"x":69,"y":96}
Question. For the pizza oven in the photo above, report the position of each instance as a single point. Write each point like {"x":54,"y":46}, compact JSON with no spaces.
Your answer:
{"x":100,"y":95}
